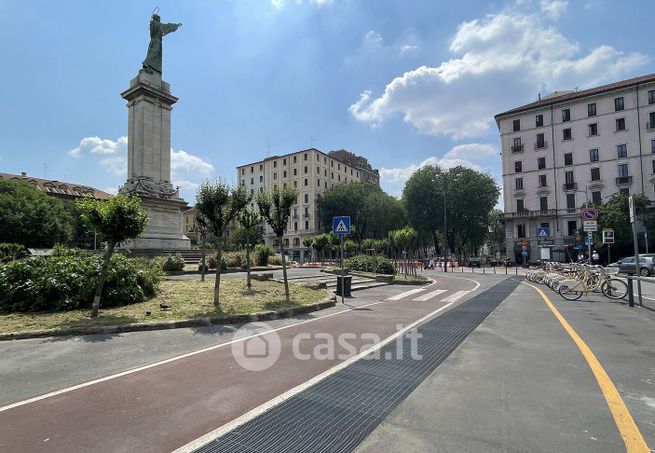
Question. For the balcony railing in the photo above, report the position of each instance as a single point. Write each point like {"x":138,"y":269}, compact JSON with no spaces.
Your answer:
{"x":624,"y":179}
{"x":305,"y":216}
{"x":527,"y":213}
{"x":570,"y":186}
{"x":295,"y":217}
{"x":541,"y":145}
{"x":517,"y":148}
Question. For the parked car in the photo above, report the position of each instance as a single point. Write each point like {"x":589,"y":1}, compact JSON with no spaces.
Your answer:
{"x":646,"y":265}
{"x":474,"y":261}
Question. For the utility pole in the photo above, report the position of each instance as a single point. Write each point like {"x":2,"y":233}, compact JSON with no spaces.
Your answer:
{"x":445,"y":223}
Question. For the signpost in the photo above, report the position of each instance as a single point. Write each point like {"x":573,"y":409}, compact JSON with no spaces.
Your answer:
{"x":631,"y":207}
{"x":608,"y":238}
{"x":542,"y":234}
{"x":341,"y":227}
{"x":589,"y":216}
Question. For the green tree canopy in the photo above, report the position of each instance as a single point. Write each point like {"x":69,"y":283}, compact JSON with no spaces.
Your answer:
{"x":373,"y":213}
{"x":30,"y":217}
{"x":615,"y":214}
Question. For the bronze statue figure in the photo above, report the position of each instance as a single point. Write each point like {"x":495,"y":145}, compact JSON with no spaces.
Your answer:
{"x":157,"y":31}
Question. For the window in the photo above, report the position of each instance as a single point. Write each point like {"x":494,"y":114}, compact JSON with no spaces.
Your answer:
{"x":252,"y":169}
{"x":566,"y":115}
{"x":295,"y":172}
{"x":568,"y":177}
{"x":305,"y":156}
{"x":295,"y":226}
{"x":596,"y":197}
{"x":295,"y":159}
{"x":339,"y":178}
{"x":520,"y":229}
{"x":307,"y":224}
{"x":284,"y":161}
{"x":517,"y":146}
{"x":651,"y":97}
{"x":519,"y":183}
{"x":519,"y":206}
{"x":543,"y":203}
{"x":541,"y":163}
{"x":618,"y":104}
{"x":653,"y":166}
{"x":274,"y":164}
{"x":568,"y":159}
{"x":622,"y":150}
{"x":572,"y":226}
{"x":331,"y":163}
{"x":620,"y":124}
{"x":516,"y":125}
{"x":252,"y":181}
{"x":595,"y":174}
{"x":541,"y":142}
{"x":623,"y":170}
{"x":570,"y":201}
{"x":652,"y":146}
{"x":593,"y":155}
{"x":261,"y":167}
{"x":306,"y":182}
{"x":306,"y":198}
{"x":318,"y":170}
{"x":306,"y":211}
{"x":338,"y":166}
{"x":306,"y":169}
{"x":284,"y":174}
{"x":261,"y":178}
{"x":593,"y":129}
{"x":543,"y":181}
{"x":332,"y":175}
{"x":518,"y":166}
{"x":624,"y":191}
{"x":539,"y":121}
{"x":651,"y":120}
{"x":591,"y":109}
{"x":274,"y":175}
{"x":566,"y":133}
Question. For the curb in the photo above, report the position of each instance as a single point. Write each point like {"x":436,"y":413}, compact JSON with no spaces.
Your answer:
{"x":328,"y":302}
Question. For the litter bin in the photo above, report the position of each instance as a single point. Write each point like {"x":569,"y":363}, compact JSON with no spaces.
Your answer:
{"x":344,"y":284}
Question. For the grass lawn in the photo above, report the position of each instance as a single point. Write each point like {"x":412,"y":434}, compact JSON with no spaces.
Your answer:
{"x":187,"y":298}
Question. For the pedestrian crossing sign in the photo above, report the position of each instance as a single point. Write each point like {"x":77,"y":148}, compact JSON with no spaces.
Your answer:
{"x":543,"y":232}
{"x":341,"y":225}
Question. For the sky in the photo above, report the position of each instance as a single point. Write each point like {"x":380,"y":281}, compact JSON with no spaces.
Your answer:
{"x":401,"y":82}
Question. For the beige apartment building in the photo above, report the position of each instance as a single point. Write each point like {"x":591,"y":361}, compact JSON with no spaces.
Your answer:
{"x":312,"y":172}
{"x":570,"y":147}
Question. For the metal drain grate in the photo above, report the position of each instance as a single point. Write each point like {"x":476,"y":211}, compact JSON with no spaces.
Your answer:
{"x":337,"y":414}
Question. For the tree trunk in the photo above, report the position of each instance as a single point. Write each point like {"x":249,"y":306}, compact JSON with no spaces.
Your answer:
{"x":202,"y":258}
{"x":101,"y":279}
{"x":248,"y":266}
{"x":217,"y":283}
{"x":284,"y":271}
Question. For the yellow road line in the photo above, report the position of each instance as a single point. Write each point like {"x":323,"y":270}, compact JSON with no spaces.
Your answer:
{"x":634,"y":441}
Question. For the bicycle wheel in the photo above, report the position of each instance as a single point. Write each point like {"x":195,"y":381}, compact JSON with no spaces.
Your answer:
{"x":568,"y":293}
{"x":614,"y":288}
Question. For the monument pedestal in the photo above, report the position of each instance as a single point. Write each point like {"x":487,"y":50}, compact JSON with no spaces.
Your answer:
{"x":149,"y":103}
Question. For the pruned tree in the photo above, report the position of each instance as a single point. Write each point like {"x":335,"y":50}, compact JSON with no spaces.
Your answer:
{"x":308,"y":241}
{"x":116,"y":220}
{"x":201,"y":227}
{"x":219,"y":204}
{"x":251,"y":232}
{"x":275,"y":208}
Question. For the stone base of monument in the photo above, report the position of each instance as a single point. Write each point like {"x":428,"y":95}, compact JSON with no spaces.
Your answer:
{"x":164,"y":227}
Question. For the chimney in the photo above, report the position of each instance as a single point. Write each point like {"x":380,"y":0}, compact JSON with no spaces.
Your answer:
{"x":23,"y":174}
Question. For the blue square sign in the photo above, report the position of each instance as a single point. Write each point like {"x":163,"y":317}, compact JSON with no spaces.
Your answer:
{"x":341,"y":225}
{"x":543,"y":232}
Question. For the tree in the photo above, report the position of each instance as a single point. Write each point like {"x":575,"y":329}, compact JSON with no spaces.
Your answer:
{"x":615,"y":214}
{"x":219,"y":204}
{"x":423,"y":201}
{"x":116,"y":220}
{"x":373,"y":213}
{"x":275,"y":208}
{"x":30,"y":217}
{"x":251,"y":233}
{"x":308,"y":242}
{"x":200,"y":225}
{"x":496,"y":231}
{"x":321,"y":242}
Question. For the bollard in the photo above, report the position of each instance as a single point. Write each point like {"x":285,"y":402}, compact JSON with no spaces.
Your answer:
{"x":494,"y":268}
{"x":516,"y":270}
{"x":631,"y":295}
{"x":483,"y":270}
{"x":505,"y":269}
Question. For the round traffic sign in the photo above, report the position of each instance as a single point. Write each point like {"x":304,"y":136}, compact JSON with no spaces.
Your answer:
{"x":590,"y":214}
{"x":524,"y":253}
{"x":524,"y":247}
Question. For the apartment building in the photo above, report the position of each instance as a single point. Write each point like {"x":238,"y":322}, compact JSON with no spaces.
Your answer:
{"x":569,"y":148}
{"x":312,"y":172}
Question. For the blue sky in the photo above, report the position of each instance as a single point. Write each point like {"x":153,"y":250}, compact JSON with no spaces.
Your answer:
{"x":401,"y":82}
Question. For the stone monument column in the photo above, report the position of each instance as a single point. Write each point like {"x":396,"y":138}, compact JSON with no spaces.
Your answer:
{"x":149,"y":103}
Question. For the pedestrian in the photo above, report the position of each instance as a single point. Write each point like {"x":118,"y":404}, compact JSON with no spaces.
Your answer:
{"x":595,"y":257}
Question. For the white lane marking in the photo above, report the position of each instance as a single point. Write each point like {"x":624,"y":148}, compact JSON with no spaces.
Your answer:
{"x":172,"y":359}
{"x":454,"y":296}
{"x":218,"y":432}
{"x":405,"y":294}
{"x":430,"y":295}
{"x":477,"y":284}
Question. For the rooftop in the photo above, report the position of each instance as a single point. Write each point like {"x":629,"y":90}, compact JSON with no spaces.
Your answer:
{"x":563,"y":96}
{"x":60,"y":188}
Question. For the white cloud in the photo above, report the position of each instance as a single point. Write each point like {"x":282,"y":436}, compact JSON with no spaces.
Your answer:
{"x":553,"y":8}
{"x":111,"y":190}
{"x":183,"y":162}
{"x":498,"y":62}
{"x":408,"y":49}
{"x":115,"y":165}
{"x":463,"y":155}
{"x":96,"y":145}
{"x":372,"y":40}
{"x":279,"y":4}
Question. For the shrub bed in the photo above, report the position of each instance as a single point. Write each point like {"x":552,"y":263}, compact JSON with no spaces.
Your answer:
{"x":67,"y":279}
{"x":366,"y":263}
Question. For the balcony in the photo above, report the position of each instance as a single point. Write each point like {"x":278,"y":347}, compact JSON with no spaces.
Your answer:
{"x":542,"y":145}
{"x":517,"y":148}
{"x":570,"y":186}
{"x":305,"y":216}
{"x":295,"y":217}
{"x":529,"y":214}
{"x":623,"y":180}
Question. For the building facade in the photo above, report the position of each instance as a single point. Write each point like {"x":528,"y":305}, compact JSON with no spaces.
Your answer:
{"x":570,"y":148}
{"x":59,"y":189}
{"x":311,"y":172}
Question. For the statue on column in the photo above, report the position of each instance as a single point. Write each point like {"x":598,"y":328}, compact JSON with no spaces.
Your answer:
{"x":157,"y":31}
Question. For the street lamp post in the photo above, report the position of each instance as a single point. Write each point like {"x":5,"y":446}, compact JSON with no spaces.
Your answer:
{"x":445,"y":222}
{"x":586,"y":205}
